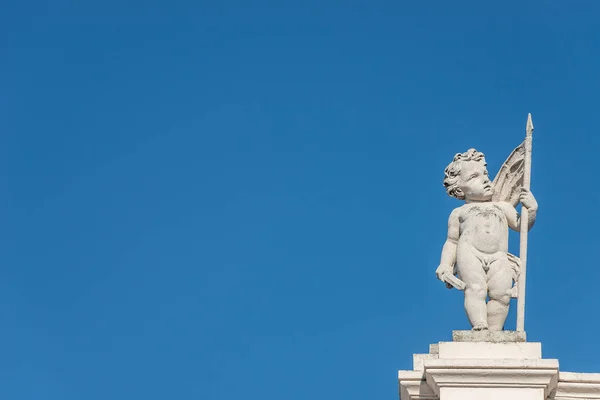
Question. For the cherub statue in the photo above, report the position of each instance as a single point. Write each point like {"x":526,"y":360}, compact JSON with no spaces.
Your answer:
{"x":476,"y":248}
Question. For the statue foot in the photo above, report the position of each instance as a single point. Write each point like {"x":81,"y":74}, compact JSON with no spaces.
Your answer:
{"x":480,"y":327}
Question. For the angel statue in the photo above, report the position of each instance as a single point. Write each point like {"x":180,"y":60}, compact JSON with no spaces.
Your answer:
{"x":476,"y":248}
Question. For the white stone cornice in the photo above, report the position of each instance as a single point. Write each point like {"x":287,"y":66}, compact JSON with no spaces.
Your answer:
{"x":577,"y":386}
{"x":412,"y":386}
{"x":490,"y":373}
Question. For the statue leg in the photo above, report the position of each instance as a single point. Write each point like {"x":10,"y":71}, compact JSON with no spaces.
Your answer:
{"x":470,"y":270}
{"x":499,"y":286}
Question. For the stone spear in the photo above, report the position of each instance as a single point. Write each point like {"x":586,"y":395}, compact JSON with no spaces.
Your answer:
{"x":524,"y":227}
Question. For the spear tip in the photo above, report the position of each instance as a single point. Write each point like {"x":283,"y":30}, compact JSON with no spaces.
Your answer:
{"x":529,"y":127}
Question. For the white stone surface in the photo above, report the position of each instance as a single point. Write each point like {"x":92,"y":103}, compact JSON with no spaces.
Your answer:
{"x":449,"y":379}
{"x":468,"y":374}
{"x":414,"y":387}
{"x":489,"y":336}
{"x":577,"y":386}
{"x":498,"y":394}
{"x":492,"y":351}
{"x":492,"y":371}
{"x":419,"y":360}
{"x":485,"y":370}
{"x":434,"y":348}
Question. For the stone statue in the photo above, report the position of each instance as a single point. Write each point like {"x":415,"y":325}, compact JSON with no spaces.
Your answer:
{"x":476,"y":248}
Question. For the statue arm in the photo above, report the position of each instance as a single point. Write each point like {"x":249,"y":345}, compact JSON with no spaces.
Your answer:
{"x":514,"y":218}
{"x":448,"y":258}
{"x":530,"y":218}
{"x":528,"y":201}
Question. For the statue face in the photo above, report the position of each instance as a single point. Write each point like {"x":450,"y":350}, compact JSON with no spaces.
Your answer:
{"x":474,"y":181}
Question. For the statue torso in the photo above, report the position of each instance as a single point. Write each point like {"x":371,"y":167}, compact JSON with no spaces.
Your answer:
{"x":484,"y":226}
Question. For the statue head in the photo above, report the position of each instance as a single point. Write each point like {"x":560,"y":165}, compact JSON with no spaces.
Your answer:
{"x":467,"y":177}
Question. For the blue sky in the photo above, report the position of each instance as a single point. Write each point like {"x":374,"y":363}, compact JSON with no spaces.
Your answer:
{"x":224,"y":200}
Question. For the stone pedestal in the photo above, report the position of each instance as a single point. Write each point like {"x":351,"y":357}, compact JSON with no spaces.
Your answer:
{"x":492,"y":366}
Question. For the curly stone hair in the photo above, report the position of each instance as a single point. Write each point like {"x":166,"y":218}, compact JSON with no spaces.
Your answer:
{"x":452,"y":171}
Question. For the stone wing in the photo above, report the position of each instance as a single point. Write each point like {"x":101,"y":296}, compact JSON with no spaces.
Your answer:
{"x":509,"y":180}
{"x":515,"y":265}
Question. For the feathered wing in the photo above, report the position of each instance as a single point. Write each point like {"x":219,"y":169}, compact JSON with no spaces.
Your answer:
{"x":507,"y":187}
{"x":515,"y":266}
{"x":509,"y":180}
